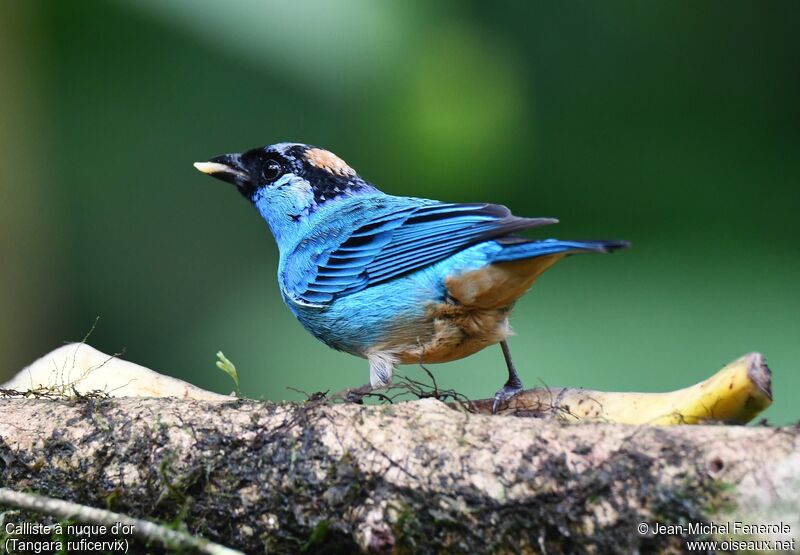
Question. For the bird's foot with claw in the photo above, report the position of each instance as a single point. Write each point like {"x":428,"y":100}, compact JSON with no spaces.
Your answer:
{"x":504,"y":395}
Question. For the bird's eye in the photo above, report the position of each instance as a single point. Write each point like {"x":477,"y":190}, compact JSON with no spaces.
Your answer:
{"x":271,"y":170}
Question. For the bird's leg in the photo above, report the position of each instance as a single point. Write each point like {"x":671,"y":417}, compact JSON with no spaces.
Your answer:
{"x":513,"y":384}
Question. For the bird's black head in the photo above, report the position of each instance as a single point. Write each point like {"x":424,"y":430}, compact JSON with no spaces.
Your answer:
{"x":286,"y":165}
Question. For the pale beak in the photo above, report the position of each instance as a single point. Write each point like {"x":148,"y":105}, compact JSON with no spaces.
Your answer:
{"x":226,"y":167}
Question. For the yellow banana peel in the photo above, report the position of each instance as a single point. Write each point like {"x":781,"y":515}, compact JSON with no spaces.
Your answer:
{"x":735,"y":394}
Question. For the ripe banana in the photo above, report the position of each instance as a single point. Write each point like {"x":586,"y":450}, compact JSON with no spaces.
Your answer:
{"x":735,"y":394}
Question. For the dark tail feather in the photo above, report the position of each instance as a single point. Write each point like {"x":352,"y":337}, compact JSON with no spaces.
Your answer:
{"x":518,"y":248}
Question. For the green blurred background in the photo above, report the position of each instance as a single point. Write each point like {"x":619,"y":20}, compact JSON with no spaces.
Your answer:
{"x":673,"y":125}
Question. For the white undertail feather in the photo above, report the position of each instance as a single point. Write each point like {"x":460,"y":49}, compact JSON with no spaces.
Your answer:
{"x":381,"y":367}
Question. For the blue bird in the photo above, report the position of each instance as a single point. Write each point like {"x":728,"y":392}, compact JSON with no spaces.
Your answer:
{"x":395,"y":280}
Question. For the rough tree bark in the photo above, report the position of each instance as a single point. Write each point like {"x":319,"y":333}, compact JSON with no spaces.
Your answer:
{"x":415,"y":477}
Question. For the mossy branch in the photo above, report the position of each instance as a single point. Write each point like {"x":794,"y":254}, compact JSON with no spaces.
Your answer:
{"x":410,"y":477}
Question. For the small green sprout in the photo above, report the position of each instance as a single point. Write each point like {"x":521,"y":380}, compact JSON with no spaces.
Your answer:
{"x":227,"y":366}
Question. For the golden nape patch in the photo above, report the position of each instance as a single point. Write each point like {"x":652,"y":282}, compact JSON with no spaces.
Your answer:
{"x":328,"y":161}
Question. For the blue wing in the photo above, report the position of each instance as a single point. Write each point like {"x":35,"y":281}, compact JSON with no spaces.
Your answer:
{"x":394,"y":243}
